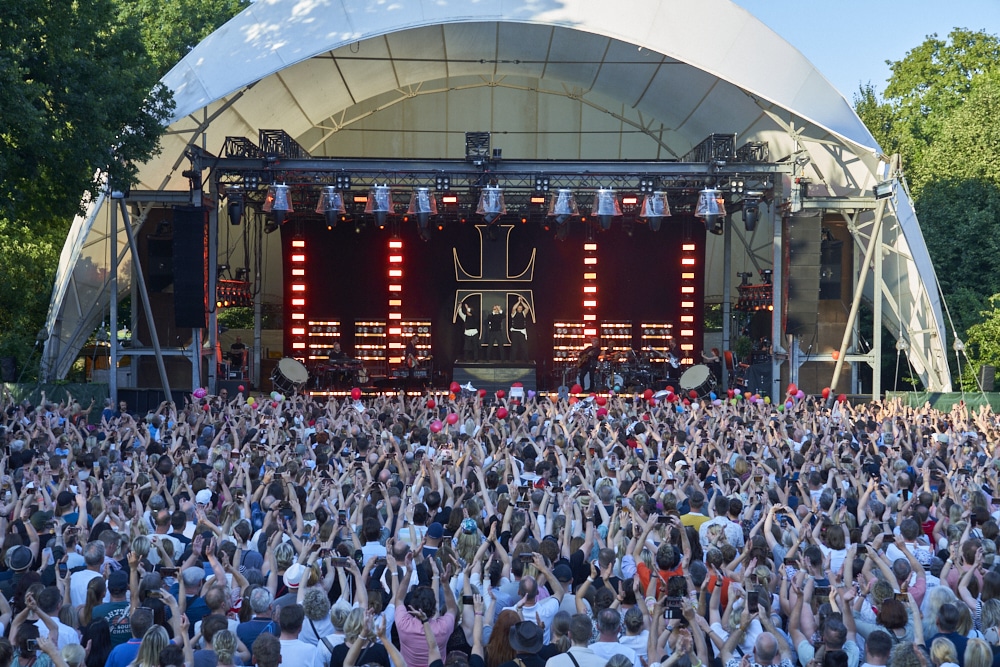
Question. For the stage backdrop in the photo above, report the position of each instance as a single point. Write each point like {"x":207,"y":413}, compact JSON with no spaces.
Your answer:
{"x":637,"y":276}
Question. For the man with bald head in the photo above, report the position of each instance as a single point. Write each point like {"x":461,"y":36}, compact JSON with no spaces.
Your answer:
{"x":770,"y":648}
{"x":533,"y":609}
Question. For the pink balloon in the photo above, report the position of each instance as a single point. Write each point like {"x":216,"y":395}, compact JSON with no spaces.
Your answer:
{"x":452,"y":418}
{"x":200,"y":393}
{"x":800,"y":394}
{"x":436,"y":425}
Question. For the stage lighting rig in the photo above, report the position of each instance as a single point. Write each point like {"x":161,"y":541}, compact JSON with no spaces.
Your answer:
{"x":751,"y":210}
{"x":606,"y":207}
{"x":235,"y":204}
{"x":655,"y":207}
{"x":712,"y":209}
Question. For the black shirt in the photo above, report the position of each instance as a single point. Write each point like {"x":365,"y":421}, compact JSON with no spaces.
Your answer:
{"x":374,"y":653}
{"x":495,"y":322}
{"x":528,"y":659}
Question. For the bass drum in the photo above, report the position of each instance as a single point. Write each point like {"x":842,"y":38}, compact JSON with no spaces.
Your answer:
{"x":289,"y":376}
{"x":698,"y":379}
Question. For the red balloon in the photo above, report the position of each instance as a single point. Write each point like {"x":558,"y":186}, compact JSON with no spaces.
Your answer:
{"x":573,"y":400}
{"x":240,"y":388}
{"x":501,"y":413}
{"x":671,"y":389}
{"x":436,"y":425}
{"x":516,"y":401}
{"x":826,"y":392}
{"x":452,"y":418}
{"x":501,"y":393}
{"x":687,"y":402}
{"x":835,"y":354}
{"x":645,"y":417}
{"x":274,"y":404}
{"x":842,"y":398}
{"x":455,"y":388}
{"x":207,"y":407}
{"x":356,"y":394}
{"x":602,"y":412}
{"x":482,"y":393}
{"x":431,"y":403}
{"x":730,"y":393}
{"x":648,"y":394}
{"x":651,"y":402}
{"x":792,"y":388}
{"x":601,"y":400}
{"x":693,"y":394}
{"x":576,"y":389}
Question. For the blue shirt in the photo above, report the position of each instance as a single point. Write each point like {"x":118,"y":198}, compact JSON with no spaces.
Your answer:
{"x":124,"y":654}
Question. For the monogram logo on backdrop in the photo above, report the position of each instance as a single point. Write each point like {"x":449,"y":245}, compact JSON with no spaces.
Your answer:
{"x":494,"y":268}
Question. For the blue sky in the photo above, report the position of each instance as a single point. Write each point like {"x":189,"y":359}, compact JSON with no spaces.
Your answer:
{"x":850,"y":40}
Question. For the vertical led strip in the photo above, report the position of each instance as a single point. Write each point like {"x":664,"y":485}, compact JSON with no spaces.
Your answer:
{"x":394,"y":329}
{"x":689,"y":289}
{"x":590,"y":289}
{"x":297,"y":286}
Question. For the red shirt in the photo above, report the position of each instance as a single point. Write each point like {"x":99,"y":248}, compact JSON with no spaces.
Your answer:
{"x":645,"y":573}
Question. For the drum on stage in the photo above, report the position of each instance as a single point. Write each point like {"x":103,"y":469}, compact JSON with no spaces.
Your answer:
{"x":289,"y":376}
{"x":698,"y":379}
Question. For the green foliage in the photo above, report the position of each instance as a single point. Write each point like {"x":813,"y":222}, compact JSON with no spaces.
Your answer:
{"x":171,"y":28}
{"x":77,"y":94}
{"x":878,"y":116}
{"x":983,"y":341}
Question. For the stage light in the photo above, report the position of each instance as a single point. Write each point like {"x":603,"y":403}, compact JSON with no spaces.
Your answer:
{"x":562,"y":206}
{"x":442,"y":182}
{"x":491,"y":204}
{"x":655,"y":208}
{"x":278,"y":202}
{"x":234,"y":205}
{"x":767,"y":275}
{"x":751,"y":210}
{"x":606,"y":207}
{"x":885,"y":189}
{"x":343,"y":182}
{"x":647,"y":184}
{"x":542,"y":183}
{"x":331,"y":205}
{"x":379,"y":204}
{"x":712,"y":209}
{"x":449,"y":200}
{"x":423,"y":205}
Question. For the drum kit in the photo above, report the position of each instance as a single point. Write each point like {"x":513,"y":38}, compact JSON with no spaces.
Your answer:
{"x":630,"y":370}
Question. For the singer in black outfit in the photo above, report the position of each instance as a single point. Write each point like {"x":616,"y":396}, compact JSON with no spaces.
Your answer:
{"x":519,"y":331}
{"x":494,"y":327}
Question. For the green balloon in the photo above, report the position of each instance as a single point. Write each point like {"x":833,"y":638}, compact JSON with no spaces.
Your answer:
{"x":735,"y":401}
{"x":781,"y":407}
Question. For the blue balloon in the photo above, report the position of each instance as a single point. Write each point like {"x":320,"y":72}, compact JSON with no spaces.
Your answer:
{"x":680,"y":409}
{"x":712,"y":395}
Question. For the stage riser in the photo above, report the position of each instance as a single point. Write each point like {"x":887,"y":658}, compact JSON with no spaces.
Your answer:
{"x":493,"y":378}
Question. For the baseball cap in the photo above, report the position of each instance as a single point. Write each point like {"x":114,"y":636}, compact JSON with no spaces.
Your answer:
{"x":65,"y":498}
{"x":204,"y":497}
{"x":435,"y":531}
{"x":562,"y":572}
{"x":118,"y":582}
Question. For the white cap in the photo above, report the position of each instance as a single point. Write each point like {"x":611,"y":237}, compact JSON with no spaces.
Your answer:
{"x":204,"y":497}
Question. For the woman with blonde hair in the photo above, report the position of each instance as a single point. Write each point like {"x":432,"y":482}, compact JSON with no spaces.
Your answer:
{"x":149,"y":649}
{"x":978,"y":654}
{"x":224,"y":644}
{"x":943,"y":653}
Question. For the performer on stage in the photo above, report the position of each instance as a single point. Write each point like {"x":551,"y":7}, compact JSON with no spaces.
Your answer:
{"x":238,"y":355}
{"x":411,"y":359}
{"x":337,"y":353}
{"x":470,"y":331}
{"x":713,"y":359}
{"x":494,"y":325}
{"x":673,"y":366}
{"x":587,"y":364}
{"x":519,"y":330}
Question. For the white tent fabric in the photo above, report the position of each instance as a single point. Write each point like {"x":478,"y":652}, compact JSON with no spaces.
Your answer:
{"x":560,"y":79}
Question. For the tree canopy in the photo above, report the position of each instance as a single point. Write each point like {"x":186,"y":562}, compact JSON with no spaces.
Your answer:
{"x":940,"y":111}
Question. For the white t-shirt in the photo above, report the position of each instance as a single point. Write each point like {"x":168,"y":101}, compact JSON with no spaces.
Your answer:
{"x":296,"y":652}
{"x":609,"y":649}
{"x":78,"y":582}
{"x":546,"y":610}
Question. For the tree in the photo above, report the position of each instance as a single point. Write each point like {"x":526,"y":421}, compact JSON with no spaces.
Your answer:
{"x":171,"y":28}
{"x":78,"y":94}
{"x":983,"y":342}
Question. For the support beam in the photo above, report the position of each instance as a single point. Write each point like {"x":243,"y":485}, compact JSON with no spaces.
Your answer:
{"x":154,"y":337}
{"x":113,"y":303}
{"x":777,"y":315}
{"x":727,"y":297}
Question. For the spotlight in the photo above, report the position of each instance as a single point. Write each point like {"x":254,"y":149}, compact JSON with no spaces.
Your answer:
{"x":423,"y":205}
{"x":542,"y":183}
{"x":767,"y":275}
{"x":744,"y":278}
{"x":751,"y":210}
{"x":647,"y":184}
{"x":606,"y":207}
{"x":442,"y":182}
{"x":331,"y":205}
{"x":562,"y":206}
{"x":491,"y":204}
{"x":885,"y":189}
{"x":712,"y":209}
{"x":343,"y":182}
{"x":379,"y":204}
{"x":655,"y":208}
{"x":234,"y":205}
{"x":278,"y":202}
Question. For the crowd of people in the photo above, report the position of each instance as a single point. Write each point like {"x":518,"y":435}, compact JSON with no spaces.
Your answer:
{"x":484,"y":531}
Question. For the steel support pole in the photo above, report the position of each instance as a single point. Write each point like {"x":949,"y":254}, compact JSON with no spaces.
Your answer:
{"x":258,"y":299}
{"x":141,"y":283}
{"x":777,"y":315}
{"x":113,"y":300}
{"x":727,"y":298}
{"x":213,"y":278}
{"x":874,"y":242}
{"x":876,"y":353}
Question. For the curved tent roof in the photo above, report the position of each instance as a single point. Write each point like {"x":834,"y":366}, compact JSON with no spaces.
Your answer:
{"x":559,"y":79}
